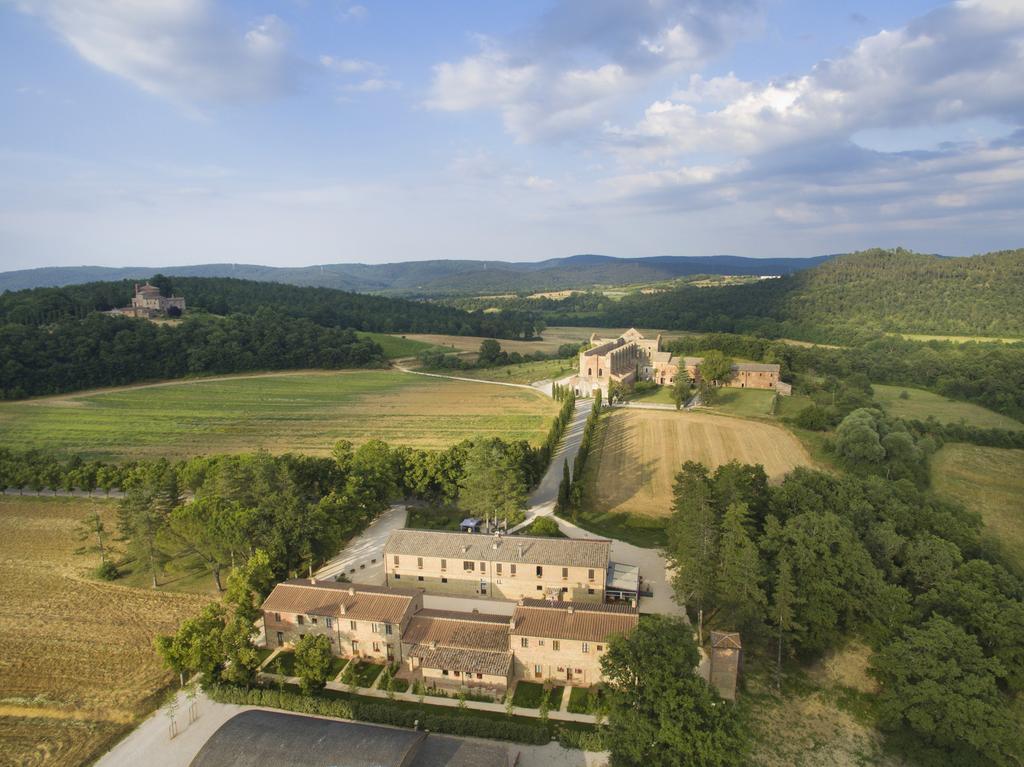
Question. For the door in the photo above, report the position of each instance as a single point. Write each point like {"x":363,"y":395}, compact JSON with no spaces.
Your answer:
{"x":568,"y":674}
{"x":280,"y":639}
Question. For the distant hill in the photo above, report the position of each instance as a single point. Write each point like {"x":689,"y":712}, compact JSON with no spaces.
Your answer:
{"x":871,"y":291}
{"x":434,"y":278}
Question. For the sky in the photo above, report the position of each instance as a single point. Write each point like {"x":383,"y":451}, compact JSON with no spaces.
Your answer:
{"x":296,"y":132}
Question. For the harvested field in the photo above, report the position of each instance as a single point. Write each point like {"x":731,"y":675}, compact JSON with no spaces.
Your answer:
{"x":77,"y":666}
{"x":302,"y":411}
{"x":640,"y":451}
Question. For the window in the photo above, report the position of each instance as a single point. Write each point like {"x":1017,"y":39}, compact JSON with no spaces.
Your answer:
{"x":479,"y":676}
{"x":538,"y":671}
{"x":556,"y":645}
{"x":565,"y":589}
{"x":302,"y":619}
{"x":398,"y":577}
{"x":565,"y":573}
{"x":444,"y":565}
{"x":455,"y":673}
{"x":524,"y":642}
{"x":352,"y":625}
{"x":599,"y":648}
{"x":375,"y":628}
{"x":540,"y":643}
{"x":376,"y":647}
{"x":419,"y":577}
{"x":539,"y":587}
{"x":280,"y":638}
{"x":277,"y":617}
{"x":419,"y":563}
{"x":590,"y":591}
{"x":540,"y":571}
{"x":329,"y":622}
{"x":469,"y":566}
{"x":355,"y":645}
{"x":483,"y":567}
{"x":590,"y":575}
{"x":444,"y":672}
{"x":590,"y":371}
{"x":512,"y":569}
{"x":497,"y":568}
{"x":586,"y":647}
{"x":388,"y":629}
{"x":444,"y":580}
{"x":314,"y":620}
{"x":396,"y":560}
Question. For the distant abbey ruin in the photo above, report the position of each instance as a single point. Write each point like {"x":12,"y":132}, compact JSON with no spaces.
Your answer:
{"x":631,"y":358}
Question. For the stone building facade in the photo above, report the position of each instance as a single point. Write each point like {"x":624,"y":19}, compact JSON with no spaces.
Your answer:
{"x":631,"y":358}
{"x":502,"y":567}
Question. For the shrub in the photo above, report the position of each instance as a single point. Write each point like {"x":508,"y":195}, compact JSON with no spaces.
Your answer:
{"x":107,"y":571}
{"x":584,"y":740}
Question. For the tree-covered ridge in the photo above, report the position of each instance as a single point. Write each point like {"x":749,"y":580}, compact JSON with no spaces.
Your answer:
{"x":72,"y":355}
{"x":224,"y":295}
{"x":839,"y":301}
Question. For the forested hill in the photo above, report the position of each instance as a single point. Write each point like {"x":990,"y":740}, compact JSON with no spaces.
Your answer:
{"x":868,"y":292}
{"x":437,"y":277}
{"x":224,"y":296}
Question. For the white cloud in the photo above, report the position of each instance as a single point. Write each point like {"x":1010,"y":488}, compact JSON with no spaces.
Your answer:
{"x":349,"y":66}
{"x":181,"y":50}
{"x":583,"y":59}
{"x":354,"y":13}
{"x":372,"y":85}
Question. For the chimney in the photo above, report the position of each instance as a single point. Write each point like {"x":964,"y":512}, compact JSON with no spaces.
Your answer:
{"x":512,"y":623}
{"x":351,"y":591}
{"x":632,"y":603}
{"x":569,"y":609}
{"x":519,"y":550}
{"x":465,"y":549}
{"x":312,"y":581}
{"x":433,"y":644}
{"x":343,"y":610}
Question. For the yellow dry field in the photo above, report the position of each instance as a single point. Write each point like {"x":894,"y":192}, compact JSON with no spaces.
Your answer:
{"x":640,"y":452}
{"x":77,"y":665}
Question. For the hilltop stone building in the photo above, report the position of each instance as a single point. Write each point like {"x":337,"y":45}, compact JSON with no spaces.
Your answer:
{"x":631,"y":358}
{"x":147,"y":303}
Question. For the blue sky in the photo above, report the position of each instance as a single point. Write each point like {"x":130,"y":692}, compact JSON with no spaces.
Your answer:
{"x":297,"y":132}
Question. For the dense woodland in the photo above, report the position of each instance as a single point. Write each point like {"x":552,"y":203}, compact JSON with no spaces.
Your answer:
{"x":99,"y":350}
{"x":840,"y":301}
{"x":224,"y":296}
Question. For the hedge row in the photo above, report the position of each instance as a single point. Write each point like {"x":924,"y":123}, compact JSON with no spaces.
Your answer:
{"x":461,"y":723}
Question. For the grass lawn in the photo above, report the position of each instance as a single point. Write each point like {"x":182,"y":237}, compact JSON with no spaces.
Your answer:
{"x":435,"y":517}
{"x":366,"y":673}
{"x":921,"y":404}
{"x":787,"y":407}
{"x":303,"y":411}
{"x":525,"y":373}
{"x":530,"y":694}
{"x":661,"y":395}
{"x":582,"y":699}
{"x":990,"y":481}
{"x":397,"y":346}
{"x":646,"y":532}
{"x":747,"y":403}
{"x":264,"y":653}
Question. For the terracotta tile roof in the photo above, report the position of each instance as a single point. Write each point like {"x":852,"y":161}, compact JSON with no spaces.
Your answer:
{"x":565,"y":552}
{"x":372,"y":603}
{"x":462,"y":631}
{"x":468,"y":661}
{"x":573,"y":620}
{"x":755,"y":367}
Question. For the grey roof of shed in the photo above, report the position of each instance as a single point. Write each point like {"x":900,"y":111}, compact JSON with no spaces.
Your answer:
{"x":257,"y":738}
{"x":462,"y":659}
{"x":567,"y":552}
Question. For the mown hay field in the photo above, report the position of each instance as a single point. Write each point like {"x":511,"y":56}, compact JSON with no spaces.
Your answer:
{"x":304,"y":412}
{"x":77,"y":665}
{"x":921,"y":404}
{"x":990,"y":481}
{"x":639,"y":452}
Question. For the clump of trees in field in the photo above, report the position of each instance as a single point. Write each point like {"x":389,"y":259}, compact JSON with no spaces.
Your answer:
{"x":819,"y":558}
{"x":491,"y":355}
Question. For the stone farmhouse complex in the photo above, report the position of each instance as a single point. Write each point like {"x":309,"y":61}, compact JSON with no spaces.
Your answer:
{"x":631,"y":358}
{"x":570,"y":600}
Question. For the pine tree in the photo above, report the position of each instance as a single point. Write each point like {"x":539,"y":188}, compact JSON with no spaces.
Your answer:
{"x":738,"y":586}
{"x":783,"y":601}
{"x":563,"y":487}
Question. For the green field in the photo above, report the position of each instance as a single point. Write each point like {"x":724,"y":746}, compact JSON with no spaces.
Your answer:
{"x":921,"y":404}
{"x":990,"y":481}
{"x":526,"y":373}
{"x":661,"y":395}
{"x":302,"y":411}
{"x":746,"y":403}
{"x":787,"y":407}
{"x":398,"y":346}
{"x":961,"y":339}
